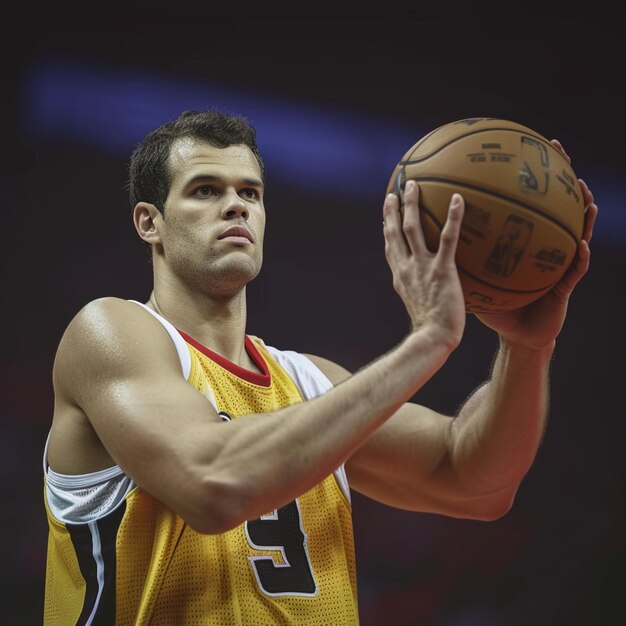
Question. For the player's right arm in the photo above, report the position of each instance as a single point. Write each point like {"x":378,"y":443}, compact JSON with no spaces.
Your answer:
{"x":120,"y":397}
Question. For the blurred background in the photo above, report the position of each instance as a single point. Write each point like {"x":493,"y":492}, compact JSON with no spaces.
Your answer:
{"x":336,"y":102}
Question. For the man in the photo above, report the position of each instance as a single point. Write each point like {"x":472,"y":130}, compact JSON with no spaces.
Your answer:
{"x":196,"y":475}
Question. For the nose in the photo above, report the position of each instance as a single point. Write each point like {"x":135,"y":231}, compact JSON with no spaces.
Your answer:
{"x":234,"y":207}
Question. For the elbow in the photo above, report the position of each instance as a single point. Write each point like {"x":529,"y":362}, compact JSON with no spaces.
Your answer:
{"x":208,"y":522}
{"x":493,"y":513}
{"x":493,"y":508}
{"x":219,"y":505}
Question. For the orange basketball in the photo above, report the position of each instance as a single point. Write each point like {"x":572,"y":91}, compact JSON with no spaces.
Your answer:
{"x":524,"y":208}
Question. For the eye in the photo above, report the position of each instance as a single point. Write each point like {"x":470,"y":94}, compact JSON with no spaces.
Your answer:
{"x":204,"y":191}
{"x":250,"y":193}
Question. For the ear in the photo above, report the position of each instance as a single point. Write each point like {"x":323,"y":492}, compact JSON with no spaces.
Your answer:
{"x":147,"y":219}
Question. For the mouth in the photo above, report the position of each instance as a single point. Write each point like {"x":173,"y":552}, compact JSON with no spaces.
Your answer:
{"x":237,"y":234}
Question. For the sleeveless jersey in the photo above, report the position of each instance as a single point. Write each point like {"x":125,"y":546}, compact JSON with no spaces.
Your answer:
{"x":139,"y":563}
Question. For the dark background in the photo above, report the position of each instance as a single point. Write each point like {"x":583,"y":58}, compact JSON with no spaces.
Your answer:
{"x":557,"y":558}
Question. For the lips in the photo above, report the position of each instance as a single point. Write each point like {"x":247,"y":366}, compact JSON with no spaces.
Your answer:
{"x":237,"y":232}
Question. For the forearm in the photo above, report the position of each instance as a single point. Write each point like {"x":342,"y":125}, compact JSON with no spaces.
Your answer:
{"x":275,"y":457}
{"x":496,"y":436}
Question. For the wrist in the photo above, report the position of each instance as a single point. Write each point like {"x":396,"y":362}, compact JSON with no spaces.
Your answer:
{"x":433,"y":339}
{"x":526,"y":350}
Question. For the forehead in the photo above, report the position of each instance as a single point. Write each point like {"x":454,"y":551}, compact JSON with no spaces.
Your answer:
{"x":189,"y":157}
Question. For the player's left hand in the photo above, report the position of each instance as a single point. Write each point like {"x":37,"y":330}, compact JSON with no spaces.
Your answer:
{"x":537,"y":324}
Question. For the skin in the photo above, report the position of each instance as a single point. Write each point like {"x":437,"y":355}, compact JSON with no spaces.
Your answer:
{"x":120,"y":397}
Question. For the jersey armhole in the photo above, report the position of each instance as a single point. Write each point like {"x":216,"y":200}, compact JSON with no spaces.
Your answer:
{"x":179,"y":342}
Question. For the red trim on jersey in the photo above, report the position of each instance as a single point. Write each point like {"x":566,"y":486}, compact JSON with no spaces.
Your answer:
{"x":264,"y":379}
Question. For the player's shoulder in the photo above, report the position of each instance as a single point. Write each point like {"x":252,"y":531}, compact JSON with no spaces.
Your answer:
{"x":109,"y":321}
{"x":111,"y":306}
{"x":113,"y":334}
{"x":107,"y":309}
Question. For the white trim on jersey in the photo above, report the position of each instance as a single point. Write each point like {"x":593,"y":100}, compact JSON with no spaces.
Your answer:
{"x":85,"y":498}
{"x":179,"y":342}
{"x":98,"y":558}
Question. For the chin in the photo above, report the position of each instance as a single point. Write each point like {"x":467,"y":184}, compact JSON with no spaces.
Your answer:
{"x":229,"y":280}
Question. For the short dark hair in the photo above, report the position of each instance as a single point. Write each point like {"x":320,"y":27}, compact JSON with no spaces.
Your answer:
{"x":149,"y":175}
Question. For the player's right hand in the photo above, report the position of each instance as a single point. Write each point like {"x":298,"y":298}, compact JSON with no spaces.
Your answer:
{"x":427,"y":282}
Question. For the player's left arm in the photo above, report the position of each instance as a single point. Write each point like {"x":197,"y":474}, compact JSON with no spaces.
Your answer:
{"x":471,"y":465}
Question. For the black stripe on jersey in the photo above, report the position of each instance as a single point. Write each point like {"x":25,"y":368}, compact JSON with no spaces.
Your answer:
{"x":83,"y":545}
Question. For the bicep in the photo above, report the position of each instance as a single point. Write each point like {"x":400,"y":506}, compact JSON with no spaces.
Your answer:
{"x":120,"y":368}
{"x":150,"y":425}
{"x":405,"y":463}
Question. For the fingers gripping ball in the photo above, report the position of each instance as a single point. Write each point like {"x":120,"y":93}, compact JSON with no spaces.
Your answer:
{"x":524,"y":208}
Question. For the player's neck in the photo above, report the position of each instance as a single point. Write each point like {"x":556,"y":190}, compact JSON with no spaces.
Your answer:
{"x":217,"y":323}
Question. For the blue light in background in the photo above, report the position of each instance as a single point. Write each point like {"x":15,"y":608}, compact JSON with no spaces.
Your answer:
{"x":327,"y":150}
{"x":301,"y":144}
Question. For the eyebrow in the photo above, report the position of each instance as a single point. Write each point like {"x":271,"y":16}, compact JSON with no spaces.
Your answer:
{"x":253,"y":182}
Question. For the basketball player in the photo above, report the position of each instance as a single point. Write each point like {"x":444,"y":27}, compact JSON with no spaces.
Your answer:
{"x":196,"y":475}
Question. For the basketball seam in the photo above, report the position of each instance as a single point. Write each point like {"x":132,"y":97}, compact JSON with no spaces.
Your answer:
{"x":474,"y":132}
{"x":499,"y":288}
{"x":497,"y":194}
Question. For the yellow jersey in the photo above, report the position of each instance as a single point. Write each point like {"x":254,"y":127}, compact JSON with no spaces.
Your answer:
{"x":119,"y":557}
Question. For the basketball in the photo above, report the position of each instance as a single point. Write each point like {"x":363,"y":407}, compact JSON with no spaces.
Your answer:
{"x":524,"y":208}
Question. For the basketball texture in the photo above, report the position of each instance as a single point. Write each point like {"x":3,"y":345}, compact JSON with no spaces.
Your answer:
{"x":524,"y":208}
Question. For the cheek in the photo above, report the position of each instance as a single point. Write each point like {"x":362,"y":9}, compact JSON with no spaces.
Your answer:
{"x":260,"y":239}
{"x":186,"y":229}
{"x":183,"y":242}
{"x":260,"y":226}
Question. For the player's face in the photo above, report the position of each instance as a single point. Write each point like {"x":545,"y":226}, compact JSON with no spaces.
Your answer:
{"x":214,"y":218}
